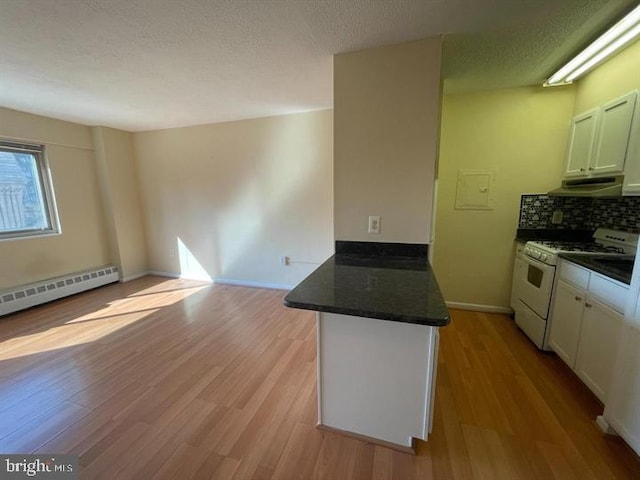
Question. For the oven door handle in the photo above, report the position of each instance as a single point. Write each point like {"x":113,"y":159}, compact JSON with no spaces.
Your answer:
{"x":538,"y":263}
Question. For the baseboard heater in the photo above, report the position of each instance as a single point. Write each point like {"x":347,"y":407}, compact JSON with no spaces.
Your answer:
{"x":26,"y":296}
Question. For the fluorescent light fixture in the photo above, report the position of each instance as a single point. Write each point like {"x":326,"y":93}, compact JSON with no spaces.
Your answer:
{"x":613,"y":40}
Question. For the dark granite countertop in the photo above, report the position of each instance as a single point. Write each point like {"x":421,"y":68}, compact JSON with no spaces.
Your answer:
{"x":397,"y":288}
{"x":617,"y":267}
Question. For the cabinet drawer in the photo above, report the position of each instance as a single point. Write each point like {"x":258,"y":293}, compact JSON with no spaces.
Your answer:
{"x":609,"y":292}
{"x":574,"y":274}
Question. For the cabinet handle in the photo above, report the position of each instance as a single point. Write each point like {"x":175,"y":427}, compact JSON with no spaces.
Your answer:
{"x":588,"y":305}
{"x":578,"y":299}
{"x":591,"y":168}
{"x":582,"y":169}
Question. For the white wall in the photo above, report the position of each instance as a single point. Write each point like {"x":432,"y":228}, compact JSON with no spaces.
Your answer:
{"x":228,"y":200}
{"x":83,"y":243}
{"x":119,"y":187}
{"x":521,"y":134}
{"x":614,"y":78}
{"x":387,"y":116}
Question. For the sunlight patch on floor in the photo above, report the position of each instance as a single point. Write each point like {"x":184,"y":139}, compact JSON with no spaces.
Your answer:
{"x":93,"y":326}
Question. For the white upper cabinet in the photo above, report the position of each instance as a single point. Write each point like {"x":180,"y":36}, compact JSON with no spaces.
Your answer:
{"x":602,"y":140}
{"x":632,"y":165}
{"x":583,"y":133}
{"x":613,"y":135}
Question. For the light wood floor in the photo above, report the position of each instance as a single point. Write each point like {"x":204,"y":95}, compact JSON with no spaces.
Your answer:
{"x":173,"y":379}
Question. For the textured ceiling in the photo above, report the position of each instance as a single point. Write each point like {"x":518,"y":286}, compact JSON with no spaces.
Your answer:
{"x":148,"y":64}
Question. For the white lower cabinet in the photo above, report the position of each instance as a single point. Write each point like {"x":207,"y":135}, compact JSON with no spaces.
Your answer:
{"x":585,"y":327}
{"x":621,"y":409}
{"x":565,"y":333}
{"x":598,"y":345}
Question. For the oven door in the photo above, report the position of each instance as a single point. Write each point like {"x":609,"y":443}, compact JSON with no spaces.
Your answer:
{"x":536,"y":283}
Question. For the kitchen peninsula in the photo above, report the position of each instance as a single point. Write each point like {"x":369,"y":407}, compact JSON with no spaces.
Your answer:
{"x":379,"y":310}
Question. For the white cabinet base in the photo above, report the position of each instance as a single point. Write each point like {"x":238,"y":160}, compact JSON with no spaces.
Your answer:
{"x":585,"y":322}
{"x":604,"y":426}
{"x":376,"y":378}
{"x":597,"y":347}
{"x":375,"y":441}
{"x":621,"y":408}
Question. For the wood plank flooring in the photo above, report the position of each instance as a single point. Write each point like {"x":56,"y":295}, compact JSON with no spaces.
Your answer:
{"x":174,"y":379}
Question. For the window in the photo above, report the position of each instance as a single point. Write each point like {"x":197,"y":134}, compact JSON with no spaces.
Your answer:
{"x":27,"y":206}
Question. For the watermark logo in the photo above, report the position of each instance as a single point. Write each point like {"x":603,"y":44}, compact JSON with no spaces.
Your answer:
{"x":40,"y":466}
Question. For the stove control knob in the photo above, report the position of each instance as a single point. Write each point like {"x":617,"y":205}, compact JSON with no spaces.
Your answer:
{"x":543,"y":257}
{"x":537,"y":254}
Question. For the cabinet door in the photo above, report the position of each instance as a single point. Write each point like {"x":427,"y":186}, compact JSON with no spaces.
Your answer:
{"x":565,"y":321}
{"x":583,"y":132}
{"x":598,"y":345}
{"x":613,"y":135}
{"x":621,"y":409}
{"x":632,"y":163}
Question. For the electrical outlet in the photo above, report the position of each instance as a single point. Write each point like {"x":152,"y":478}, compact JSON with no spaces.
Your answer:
{"x":285,"y":260}
{"x":374,"y":224}
{"x":556,"y":219}
{"x":172,"y":252}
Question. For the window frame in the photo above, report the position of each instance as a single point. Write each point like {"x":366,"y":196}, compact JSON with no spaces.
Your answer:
{"x":50,"y":209}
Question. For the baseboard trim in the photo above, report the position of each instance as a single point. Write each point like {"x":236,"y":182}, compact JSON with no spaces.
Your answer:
{"x":179,"y":276}
{"x":604,"y":426}
{"x":158,"y":273}
{"x":476,"y":307}
{"x":135,"y":276}
{"x":375,"y":441}
{"x":225,"y":281}
{"x":247,"y":283}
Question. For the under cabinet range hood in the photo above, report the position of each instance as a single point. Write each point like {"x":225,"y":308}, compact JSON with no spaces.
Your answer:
{"x":590,"y":187}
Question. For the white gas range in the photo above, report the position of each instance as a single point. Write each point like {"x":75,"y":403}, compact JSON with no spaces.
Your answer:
{"x":535,"y":272}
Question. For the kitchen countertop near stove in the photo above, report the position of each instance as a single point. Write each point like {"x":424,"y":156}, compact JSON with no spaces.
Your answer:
{"x":590,"y":261}
{"x":383,"y":286}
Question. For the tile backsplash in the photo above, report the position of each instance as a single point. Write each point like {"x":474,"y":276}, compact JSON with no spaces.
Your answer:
{"x":580,"y":213}
{"x":617,"y":213}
